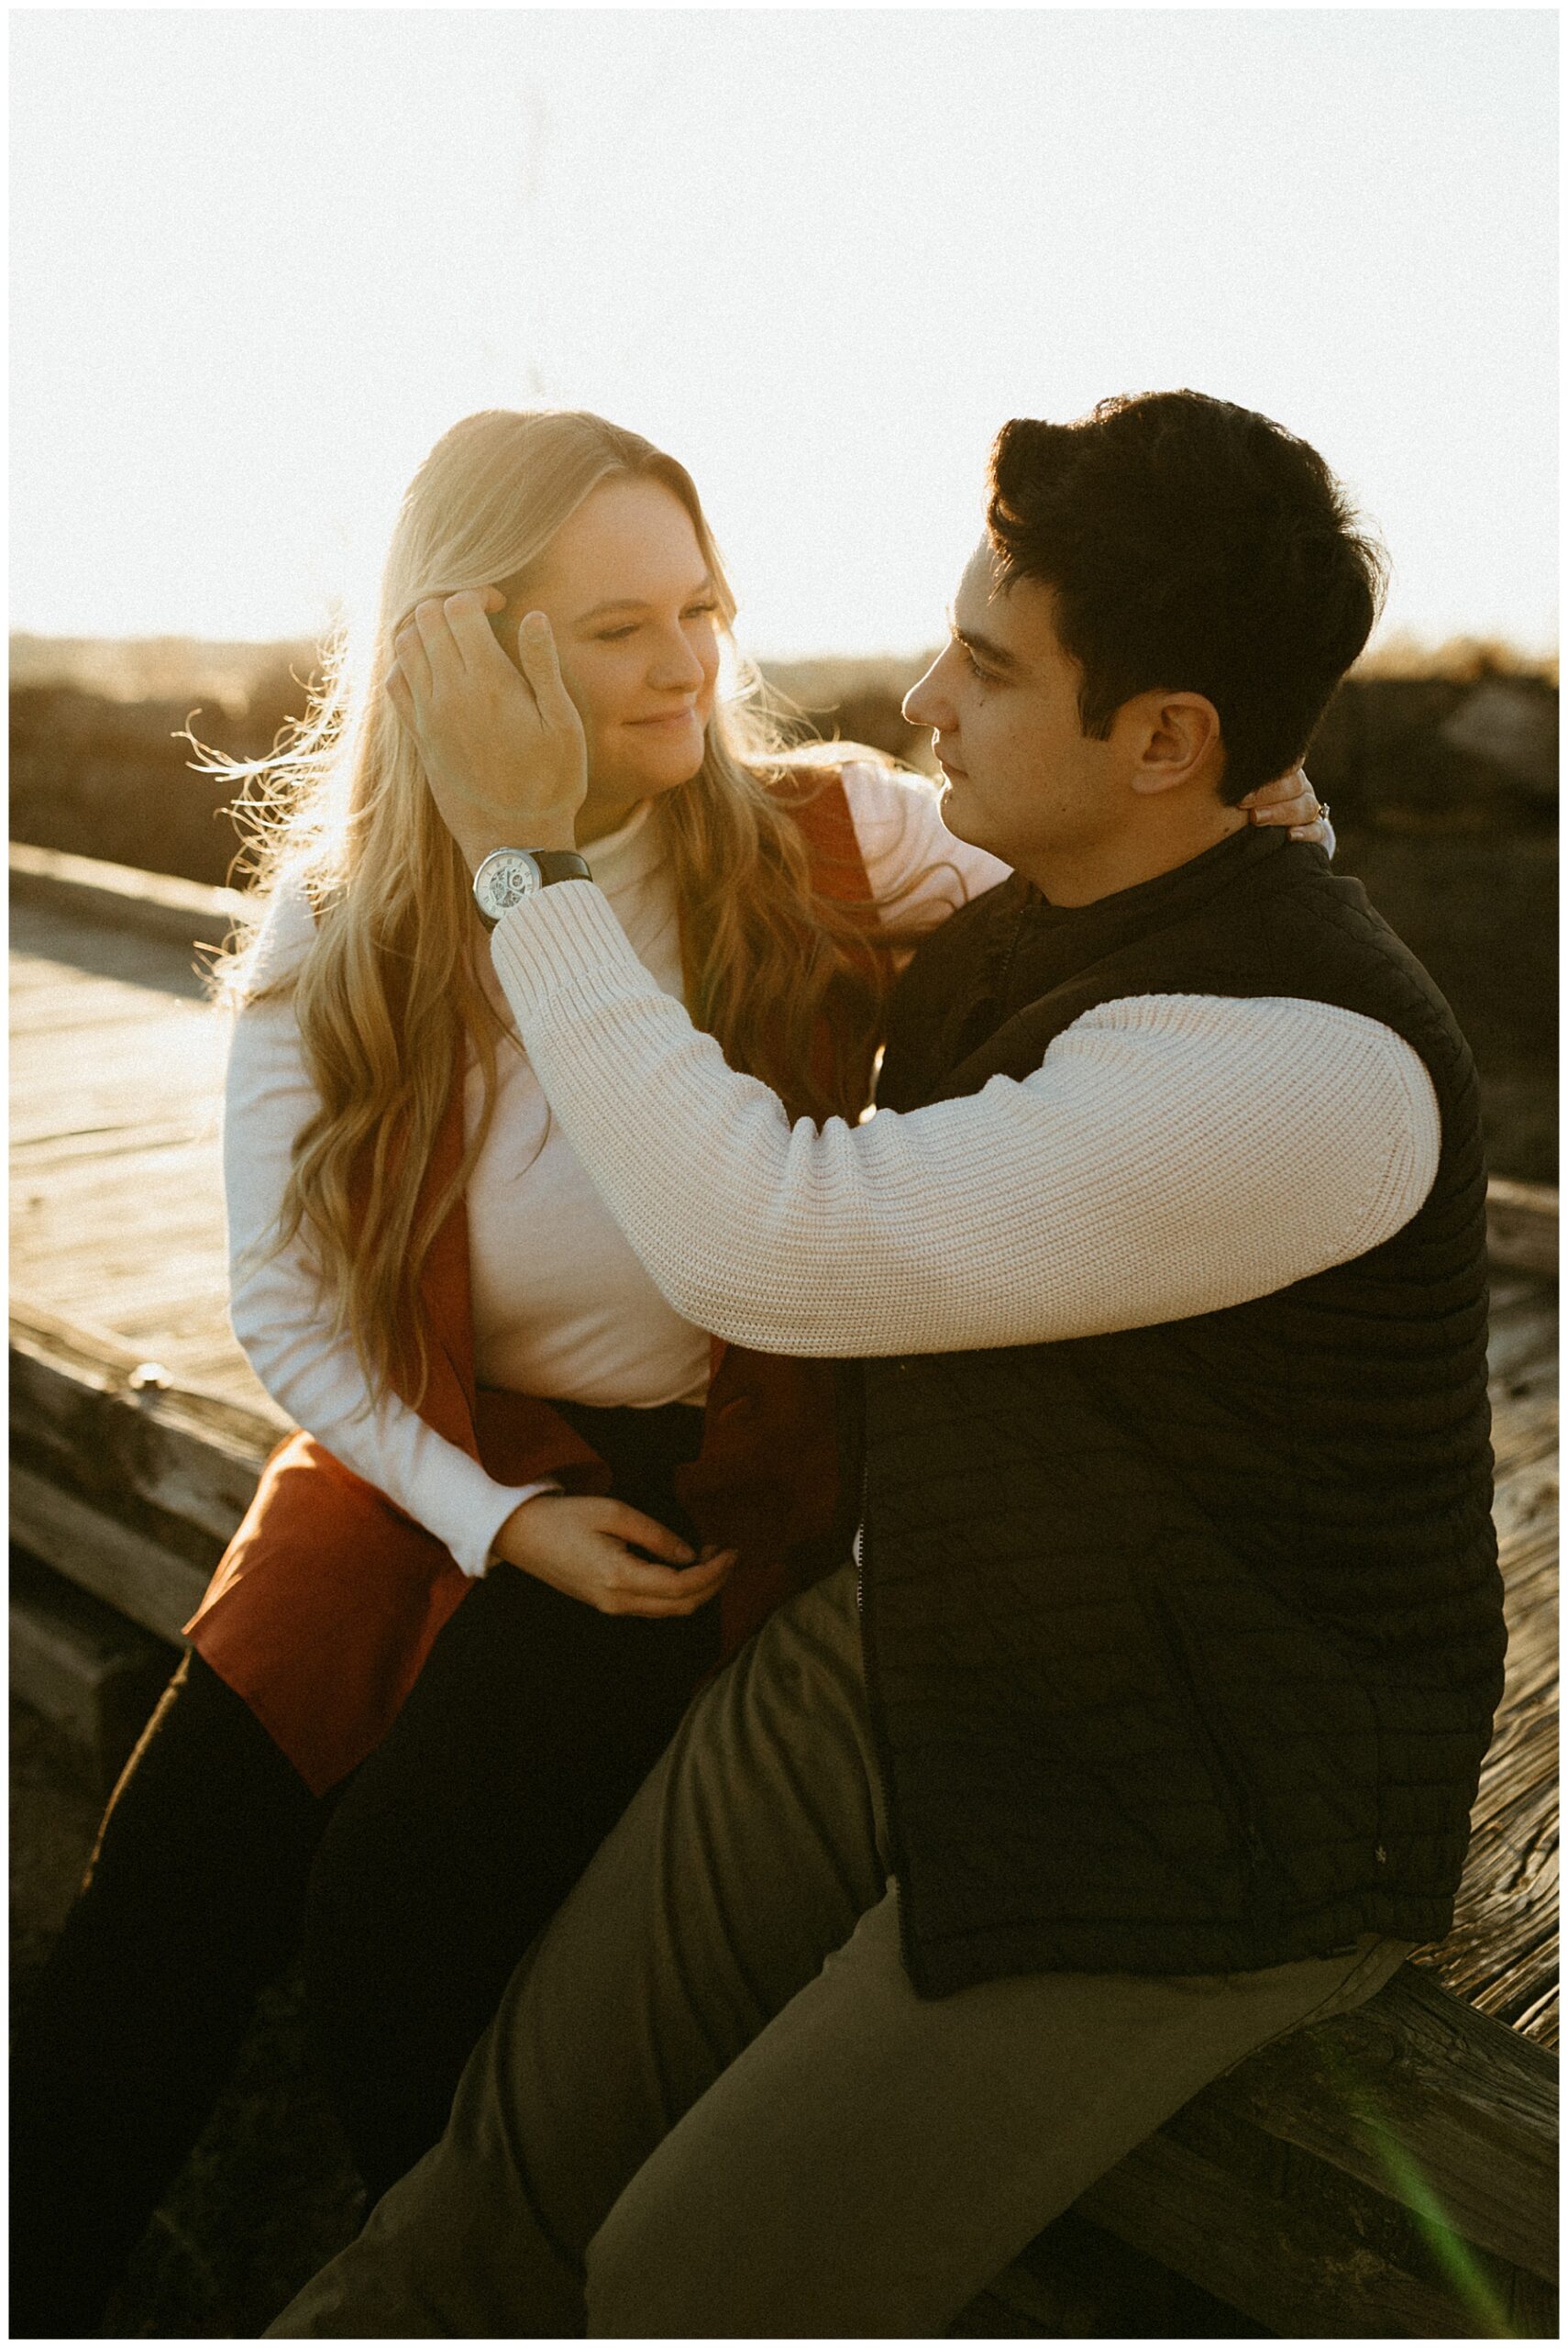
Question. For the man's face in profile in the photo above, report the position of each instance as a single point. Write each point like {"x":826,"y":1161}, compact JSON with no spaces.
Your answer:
{"x":1001,"y":701}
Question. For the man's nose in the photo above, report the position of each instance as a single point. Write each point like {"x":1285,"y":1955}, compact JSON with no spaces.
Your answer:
{"x":925,"y":703}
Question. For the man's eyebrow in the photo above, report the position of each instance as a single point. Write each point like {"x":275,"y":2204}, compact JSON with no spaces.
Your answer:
{"x":985,"y":647}
{"x":629,"y":603}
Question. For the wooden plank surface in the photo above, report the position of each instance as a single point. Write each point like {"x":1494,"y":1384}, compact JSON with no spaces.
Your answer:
{"x":140,"y":1575}
{"x":117,"y":1191}
{"x":117,"y":1226}
{"x":1521,"y":1219}
{"x":1415,"y":2082}
{"x":119,"y":1251}
{"x":1395,"y":2167}
{"x":159,"y":905}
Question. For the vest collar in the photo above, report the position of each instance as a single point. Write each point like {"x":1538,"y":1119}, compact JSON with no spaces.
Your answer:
{"x":1151,"y":904}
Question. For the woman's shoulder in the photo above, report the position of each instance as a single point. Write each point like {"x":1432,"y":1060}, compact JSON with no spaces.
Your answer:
{"x":881,"y":795}
{"x":284,"y":932}
{"x":906,"y":846}
{"x":877,"y":788}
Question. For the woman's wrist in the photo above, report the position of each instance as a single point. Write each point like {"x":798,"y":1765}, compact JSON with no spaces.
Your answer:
{"x":505,"y":1545}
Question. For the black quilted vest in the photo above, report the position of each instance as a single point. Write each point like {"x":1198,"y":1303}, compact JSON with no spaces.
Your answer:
{"x":1183,"y":1644}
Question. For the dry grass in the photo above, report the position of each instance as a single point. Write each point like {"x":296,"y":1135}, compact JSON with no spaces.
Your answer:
{"x":166,"y":668}
{"x":159,"y":668}
{"x":1459,"y":660}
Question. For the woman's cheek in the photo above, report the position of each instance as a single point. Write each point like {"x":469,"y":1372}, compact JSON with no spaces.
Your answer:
{"x":587,"y":687}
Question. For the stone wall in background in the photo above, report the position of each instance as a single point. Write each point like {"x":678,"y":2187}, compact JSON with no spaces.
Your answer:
{"x":1443,"y":787}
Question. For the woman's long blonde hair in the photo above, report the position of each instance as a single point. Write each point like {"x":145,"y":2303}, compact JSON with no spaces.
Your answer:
{"x":388,"y":995}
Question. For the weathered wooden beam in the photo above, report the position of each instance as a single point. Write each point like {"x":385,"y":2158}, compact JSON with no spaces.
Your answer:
{"x":1391,"y":2173}
{"x":161,"y":904}
{"x":1304,"y":2261}
{"x":83,"y":1666}
{"x":143,"y":1579}
{"x":1078,"y":2282}
{"x":120,"y":1424}
{"x":1521,"y":1226}
{"x":1523,"y":1334}
{"x":128,"y":1487}
{"x":1419,"y":2097}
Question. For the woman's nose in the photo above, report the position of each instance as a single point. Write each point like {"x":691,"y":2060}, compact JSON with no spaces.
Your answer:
{"x":677,"y":667}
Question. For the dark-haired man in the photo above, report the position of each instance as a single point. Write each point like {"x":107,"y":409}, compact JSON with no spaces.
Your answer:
{"x":1151,"y":1728}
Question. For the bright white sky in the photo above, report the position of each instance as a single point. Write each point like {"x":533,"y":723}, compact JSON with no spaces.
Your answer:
{"x":263,"y":257}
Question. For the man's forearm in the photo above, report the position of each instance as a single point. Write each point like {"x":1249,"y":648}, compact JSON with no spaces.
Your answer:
{"x":1173,"y":1155}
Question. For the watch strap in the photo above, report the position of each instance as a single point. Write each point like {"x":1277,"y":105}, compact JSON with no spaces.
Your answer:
{"x":551,"y":864}
{"x":560,"y":864}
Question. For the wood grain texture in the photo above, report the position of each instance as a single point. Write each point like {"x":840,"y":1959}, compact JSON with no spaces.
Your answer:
{"x":156,"y":904}
{"x":1287,"y":2243}
{"x":1421,"y":2099}
{"x":116,"y":1190}
{"x":140,"y":1575}
{"x":1384,"y":2173}
{"x":83,"y":1416}
{"x":1521,"y":1226}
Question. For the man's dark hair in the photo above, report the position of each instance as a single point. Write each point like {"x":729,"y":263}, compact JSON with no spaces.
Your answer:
{"x":1193,"y":546}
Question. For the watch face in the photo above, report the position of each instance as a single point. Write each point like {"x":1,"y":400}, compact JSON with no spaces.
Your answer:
{"x":505,"y":878}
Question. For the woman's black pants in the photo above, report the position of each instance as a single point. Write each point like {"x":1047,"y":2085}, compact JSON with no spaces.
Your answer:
{"x":415,"y":1889}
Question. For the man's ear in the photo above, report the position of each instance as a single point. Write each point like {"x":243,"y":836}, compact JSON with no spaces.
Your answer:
{"x":1177,"y":741}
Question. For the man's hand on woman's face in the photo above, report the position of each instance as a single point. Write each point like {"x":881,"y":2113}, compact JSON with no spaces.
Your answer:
{"x":503,"y":753}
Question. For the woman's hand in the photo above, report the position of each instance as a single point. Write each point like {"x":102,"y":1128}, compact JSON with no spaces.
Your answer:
{"x":583,"y":1547}
{"x":1290,"y":798}
{"x":503,"y":753}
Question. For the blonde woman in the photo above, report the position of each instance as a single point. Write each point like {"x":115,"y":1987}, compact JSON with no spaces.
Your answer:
{"x":532,"y":1505}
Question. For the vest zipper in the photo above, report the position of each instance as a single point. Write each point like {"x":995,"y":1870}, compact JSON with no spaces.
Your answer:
{"x":1236,"y":1795}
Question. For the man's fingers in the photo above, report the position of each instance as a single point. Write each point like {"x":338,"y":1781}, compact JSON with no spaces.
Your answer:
{"x":396,"y":687}
{"x":468,"y":617}
{"x":409,"y":648}
{"x":435,"y":634}
{"x":541,"y":666}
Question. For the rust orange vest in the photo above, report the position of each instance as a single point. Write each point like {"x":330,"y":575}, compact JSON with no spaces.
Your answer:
{"x":328,"y":1600}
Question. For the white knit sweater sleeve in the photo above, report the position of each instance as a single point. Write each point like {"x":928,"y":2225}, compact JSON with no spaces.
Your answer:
{"x":275,"y":1306}
{"x":1172,"y":1155}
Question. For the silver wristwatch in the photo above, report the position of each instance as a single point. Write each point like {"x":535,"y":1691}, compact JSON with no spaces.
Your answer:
{"x":510,"y":874}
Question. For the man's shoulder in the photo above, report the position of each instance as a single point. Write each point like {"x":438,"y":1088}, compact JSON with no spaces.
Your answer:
{"x":1326,"y":939}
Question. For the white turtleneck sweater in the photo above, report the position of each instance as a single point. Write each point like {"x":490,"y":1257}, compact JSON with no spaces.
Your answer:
{"x":1172,"y":1155}
{"x":562,"y":1305}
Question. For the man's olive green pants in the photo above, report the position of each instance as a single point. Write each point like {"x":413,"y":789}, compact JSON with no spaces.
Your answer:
{"x":710,"y":2103}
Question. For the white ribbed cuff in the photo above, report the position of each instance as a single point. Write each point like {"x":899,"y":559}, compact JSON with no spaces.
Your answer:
{"x":565,"y":938}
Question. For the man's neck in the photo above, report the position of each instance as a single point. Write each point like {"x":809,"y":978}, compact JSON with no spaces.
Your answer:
{"x":1066,"y":876}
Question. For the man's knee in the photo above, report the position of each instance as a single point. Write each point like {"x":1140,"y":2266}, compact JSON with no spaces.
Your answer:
{"x":649,"y":2268}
